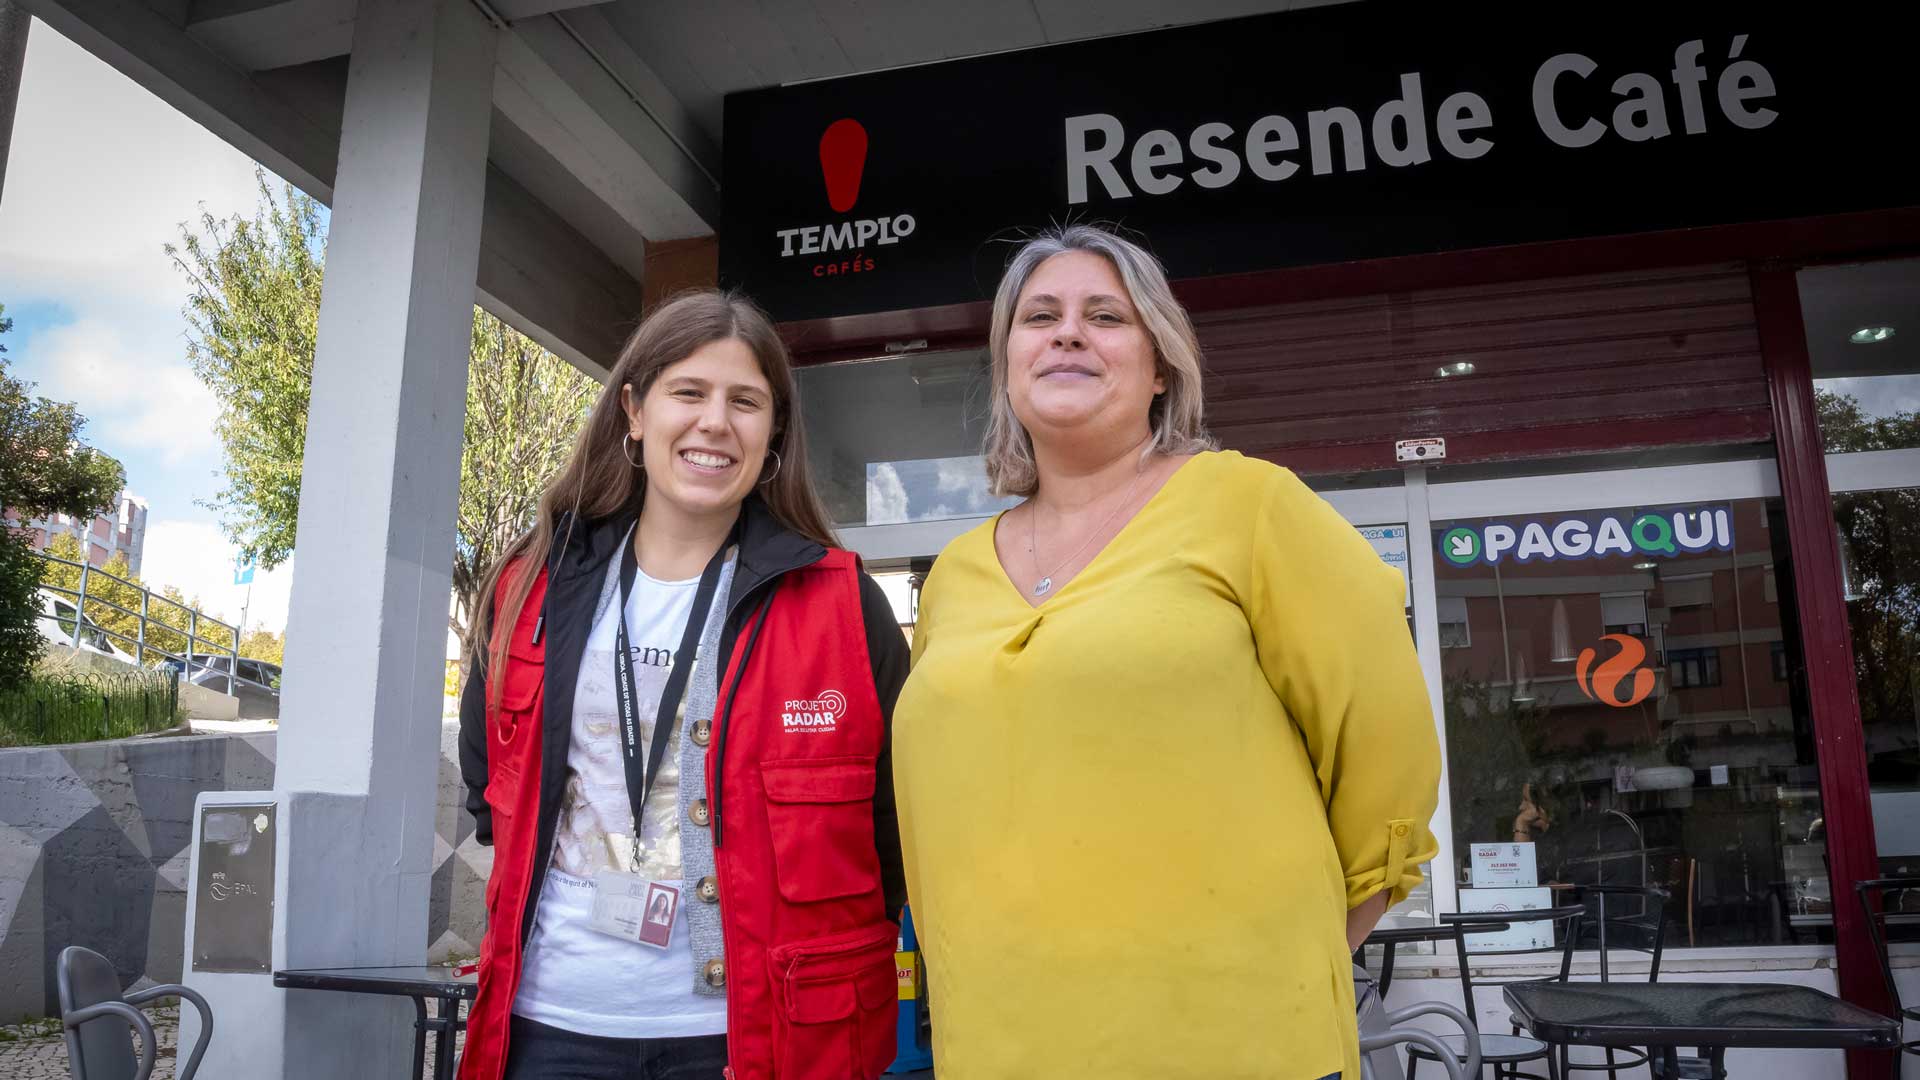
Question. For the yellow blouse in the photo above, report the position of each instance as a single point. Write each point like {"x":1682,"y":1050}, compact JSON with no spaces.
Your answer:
{"x":1136,"y":816}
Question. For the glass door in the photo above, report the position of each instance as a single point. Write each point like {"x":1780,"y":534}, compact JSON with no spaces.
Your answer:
{"x":1617,"y":652}
{"x":1863,"y":343}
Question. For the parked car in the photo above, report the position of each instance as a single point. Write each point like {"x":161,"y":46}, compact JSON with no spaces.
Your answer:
{"x":257,"y":687}
{"x":57,"y":614}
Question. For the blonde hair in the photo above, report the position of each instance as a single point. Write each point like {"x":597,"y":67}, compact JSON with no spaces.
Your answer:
{"x":1175,"y":416}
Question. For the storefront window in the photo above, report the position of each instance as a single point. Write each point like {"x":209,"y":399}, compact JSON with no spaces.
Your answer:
{"x":898,"y":440}
{"x":1615,"y":706}
{"x":1863,"y":335}
{"x":1880,"y":554}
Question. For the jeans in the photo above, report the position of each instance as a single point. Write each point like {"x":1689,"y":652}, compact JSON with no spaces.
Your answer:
{"x":537,"y":1051}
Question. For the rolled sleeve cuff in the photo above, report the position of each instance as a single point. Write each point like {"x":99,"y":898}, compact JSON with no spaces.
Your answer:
{"x":1409,"y":844}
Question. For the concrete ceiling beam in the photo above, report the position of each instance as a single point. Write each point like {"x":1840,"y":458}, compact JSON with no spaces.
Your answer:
{"x":257,"y":36}
{"x":155,"y":52}
{"x":567,"y":95}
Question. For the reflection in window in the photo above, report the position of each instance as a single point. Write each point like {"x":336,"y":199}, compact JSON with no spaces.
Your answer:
{"x":1693,"y":668}
{"x":1881,"y":531}
{"x":898,"y":439}
{"x":1454,"y":631}
{"x":929,"y":490}
{"x":1617,"y":709}
{"x":1864,"y":342}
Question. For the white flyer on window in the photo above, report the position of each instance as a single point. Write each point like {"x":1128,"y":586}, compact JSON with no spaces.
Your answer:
{"x":1390,"y":543}
{"x":1519,"y":936}
{"x":1504,"y":866}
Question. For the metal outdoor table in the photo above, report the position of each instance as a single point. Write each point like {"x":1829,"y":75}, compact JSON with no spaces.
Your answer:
{"x":1390,"y":937}
{"x":1711,"y":1017}
{"x":418,"y":983}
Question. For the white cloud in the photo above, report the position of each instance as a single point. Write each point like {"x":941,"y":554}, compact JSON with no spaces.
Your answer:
{"x":1879,"y":396}
{"x":886,"y":495}
{"x":136,"y":396}
{"x":965,"y":476}
{"x":195,"y":558}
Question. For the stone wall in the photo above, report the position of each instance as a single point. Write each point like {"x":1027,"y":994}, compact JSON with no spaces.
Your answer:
{"x":93,"y":852}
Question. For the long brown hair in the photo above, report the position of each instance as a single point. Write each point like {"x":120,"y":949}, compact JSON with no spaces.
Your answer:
{"x":598,"y":479}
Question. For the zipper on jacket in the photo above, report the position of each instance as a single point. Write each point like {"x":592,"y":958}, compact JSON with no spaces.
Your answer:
{"x":726,"y":708}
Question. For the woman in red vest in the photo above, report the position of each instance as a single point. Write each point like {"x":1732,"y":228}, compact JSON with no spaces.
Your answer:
{"x":677,"y":743}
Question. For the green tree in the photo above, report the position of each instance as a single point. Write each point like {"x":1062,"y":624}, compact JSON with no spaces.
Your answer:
{"x":524,"y":407}
{"x":254,"y":310}
{"x":264,"y":645}
{"x":1880,"y":538}
{"x":44,"y":469}
{"x":253,"y":315}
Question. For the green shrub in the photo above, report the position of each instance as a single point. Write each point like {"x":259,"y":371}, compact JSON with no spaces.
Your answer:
{"x":70,"y":707}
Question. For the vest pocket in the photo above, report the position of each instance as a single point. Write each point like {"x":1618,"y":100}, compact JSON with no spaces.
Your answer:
{"x":518,"y":714}
{"x":835,"y":1003}
{"x":821,"y":817}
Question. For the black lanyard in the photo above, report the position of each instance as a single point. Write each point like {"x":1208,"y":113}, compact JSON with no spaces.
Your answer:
{"x":642,"y":774}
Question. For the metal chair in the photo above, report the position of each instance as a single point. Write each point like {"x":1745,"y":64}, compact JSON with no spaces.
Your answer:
{"x":1873,"y":895}
{"x":1380,"y":1035}
{"x":1506,"y":1053}
{"x":1621,"y":918}
{"x":96,"y":1015}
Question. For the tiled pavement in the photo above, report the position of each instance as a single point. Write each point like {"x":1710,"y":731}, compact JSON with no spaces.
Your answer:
{"x":37,"y":1052}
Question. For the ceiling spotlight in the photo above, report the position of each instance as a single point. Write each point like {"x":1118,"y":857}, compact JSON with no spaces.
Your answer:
{"x":1464,"y":367}
{"x":1645,"y":565}
{"x":1870,"y":335}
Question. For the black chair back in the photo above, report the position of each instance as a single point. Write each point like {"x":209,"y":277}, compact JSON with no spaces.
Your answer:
{"x":1565,"y":922}
{"x":98,"y":1018}
{"x":100,"y":1048}
{"x":1626,"y":918}
{"x":1874,"y":895}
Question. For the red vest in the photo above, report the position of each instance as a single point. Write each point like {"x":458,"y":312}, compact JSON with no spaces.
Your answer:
{"x":790,"y":780}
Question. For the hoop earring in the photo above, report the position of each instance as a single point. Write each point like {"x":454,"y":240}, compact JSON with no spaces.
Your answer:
{"x":628,"y":454}
{"x":776,"y":467}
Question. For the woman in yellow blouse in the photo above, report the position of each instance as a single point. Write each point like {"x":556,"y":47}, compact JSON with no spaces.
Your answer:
{"x":1166,"y":754}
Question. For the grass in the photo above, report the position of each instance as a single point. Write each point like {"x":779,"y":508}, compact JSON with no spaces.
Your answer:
{"x":72,"y":707}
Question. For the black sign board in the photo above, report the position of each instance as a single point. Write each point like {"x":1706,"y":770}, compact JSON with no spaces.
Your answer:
{"x":1355,"y":131}
{"x":233,"y":889}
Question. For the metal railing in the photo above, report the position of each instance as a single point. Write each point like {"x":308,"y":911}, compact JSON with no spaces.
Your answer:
{"x":193,"y":661}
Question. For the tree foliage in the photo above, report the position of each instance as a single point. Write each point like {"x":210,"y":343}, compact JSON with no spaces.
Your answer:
{"x":253,"y":317}
{"x":254,"y":313}
{"x":1880,"y":539}
{"x":524,"y":408}
{"x":264,"y":645}
{"x":44,"y":469}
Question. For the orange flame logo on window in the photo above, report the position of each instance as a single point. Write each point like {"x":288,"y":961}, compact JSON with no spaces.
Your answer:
{"x":1602,"y":684}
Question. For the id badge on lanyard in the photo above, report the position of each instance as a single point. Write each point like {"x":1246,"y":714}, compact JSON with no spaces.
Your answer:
{"x":626,"y":904}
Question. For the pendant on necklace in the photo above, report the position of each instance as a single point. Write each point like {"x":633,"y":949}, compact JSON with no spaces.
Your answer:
{"x":1043,"y":586}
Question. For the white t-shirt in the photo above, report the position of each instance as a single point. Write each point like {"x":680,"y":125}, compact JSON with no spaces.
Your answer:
{"x":575,"y":977}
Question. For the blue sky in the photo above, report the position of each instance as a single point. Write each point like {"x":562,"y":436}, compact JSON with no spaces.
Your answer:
{"x":99,"y":177}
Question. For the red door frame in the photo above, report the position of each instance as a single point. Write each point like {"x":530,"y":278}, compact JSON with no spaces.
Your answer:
{"x":1826,"y":642}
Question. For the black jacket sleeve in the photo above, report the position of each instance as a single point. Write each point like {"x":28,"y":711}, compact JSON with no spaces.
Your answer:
{"x":887,"y":651}
{"x":473,"y":737}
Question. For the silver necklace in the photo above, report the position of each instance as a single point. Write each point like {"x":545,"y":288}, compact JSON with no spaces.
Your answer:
{"x":1045,"y":584}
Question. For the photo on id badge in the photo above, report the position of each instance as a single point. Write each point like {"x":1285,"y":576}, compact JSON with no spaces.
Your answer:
{"x":662,"y":902}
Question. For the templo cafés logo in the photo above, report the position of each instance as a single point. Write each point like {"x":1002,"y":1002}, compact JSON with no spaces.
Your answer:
{"x":1604,"y":683}
{"x":845,"y":241}
{"x":816,"y":714}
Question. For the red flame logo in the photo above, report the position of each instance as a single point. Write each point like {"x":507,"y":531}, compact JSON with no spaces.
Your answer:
{"x":843,"y":157}
{"x":1602,"y":684}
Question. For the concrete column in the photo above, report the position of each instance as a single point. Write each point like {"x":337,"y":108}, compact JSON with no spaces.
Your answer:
{"x":14,"y":24}
{"x":360,"y":720}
